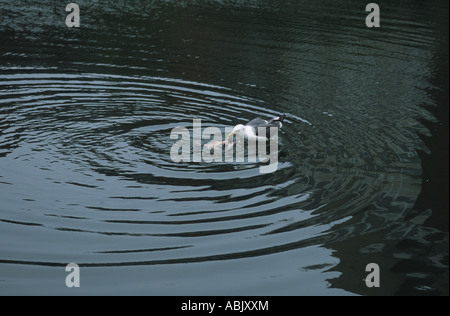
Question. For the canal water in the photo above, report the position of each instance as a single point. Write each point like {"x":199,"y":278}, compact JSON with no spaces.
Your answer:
{"x":86,"y":175}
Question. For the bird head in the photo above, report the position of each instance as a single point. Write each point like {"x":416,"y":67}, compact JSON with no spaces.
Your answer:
{"x":237,"y":130}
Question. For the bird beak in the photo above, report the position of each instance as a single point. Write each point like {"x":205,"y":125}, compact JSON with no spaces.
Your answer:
{"x":229,"y":135}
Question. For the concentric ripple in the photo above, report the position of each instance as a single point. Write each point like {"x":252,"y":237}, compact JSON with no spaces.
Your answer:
{"x":100,"y":149}
{"x":86,"y":174}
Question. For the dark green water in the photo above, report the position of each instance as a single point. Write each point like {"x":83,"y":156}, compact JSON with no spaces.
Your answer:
{"x":86,"y":175}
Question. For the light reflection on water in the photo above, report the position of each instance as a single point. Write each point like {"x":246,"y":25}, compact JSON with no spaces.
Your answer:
{"x":85,"y":168}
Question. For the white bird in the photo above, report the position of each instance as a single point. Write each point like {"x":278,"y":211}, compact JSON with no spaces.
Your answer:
{"x":251,"y":129}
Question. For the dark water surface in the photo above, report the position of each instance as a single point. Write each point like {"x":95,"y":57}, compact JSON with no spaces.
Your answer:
{"x":86,"y":175}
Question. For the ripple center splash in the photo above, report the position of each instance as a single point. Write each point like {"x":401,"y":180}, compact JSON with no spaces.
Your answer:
{"x":221,"y":149}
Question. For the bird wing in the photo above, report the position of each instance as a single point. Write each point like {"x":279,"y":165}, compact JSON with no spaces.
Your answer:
{"x":259,"y":122}
{"x":255,"y":123}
